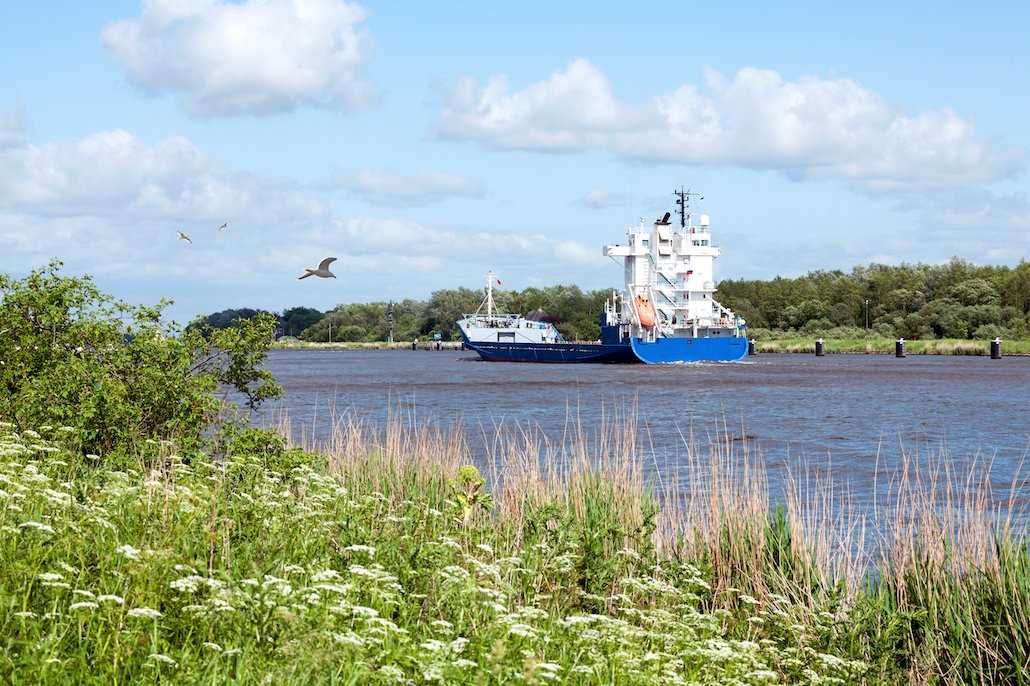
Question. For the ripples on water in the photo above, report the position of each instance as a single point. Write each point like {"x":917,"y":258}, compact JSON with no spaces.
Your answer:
{"x":856,"y":413}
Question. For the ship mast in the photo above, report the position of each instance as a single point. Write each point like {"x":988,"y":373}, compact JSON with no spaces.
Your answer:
{"x":489,"y":294}
{"x":683,"y":197}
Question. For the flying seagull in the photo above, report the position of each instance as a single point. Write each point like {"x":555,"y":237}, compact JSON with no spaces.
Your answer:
{"x":184,"y":237}
{"x":224,"y":226}
{"x":322,"y":271}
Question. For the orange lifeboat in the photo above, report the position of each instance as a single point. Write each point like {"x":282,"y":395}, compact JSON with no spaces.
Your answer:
{"x":645,"y":311}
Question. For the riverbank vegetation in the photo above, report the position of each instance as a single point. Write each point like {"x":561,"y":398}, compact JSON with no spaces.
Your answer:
{"x":386,"y":557}
{"x":956,"y":300}
{"x":145,"y":541}
{"x":779,"y":343}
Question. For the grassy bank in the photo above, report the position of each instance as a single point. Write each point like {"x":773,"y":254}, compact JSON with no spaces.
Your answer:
{"x":885,"y":346}
{"x":386,"y":557}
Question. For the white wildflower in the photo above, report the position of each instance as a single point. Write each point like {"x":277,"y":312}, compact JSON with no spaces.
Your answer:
{"x":116,"y":599}
{"x":357,"y":548}
{"x":212,"y":646}
{"x":128,"y":551}
{"x":84,"y":594}
{"x":50,"y":576}
{"x":744,"y":598}
{"x":83,"y":605}
{"x":432,"y":645}
{"x":147,"y":612}
{"x":38,"y":526}
{"x":159,"y":657}
{"x":523,"y":630}
{"x":25,"y":614}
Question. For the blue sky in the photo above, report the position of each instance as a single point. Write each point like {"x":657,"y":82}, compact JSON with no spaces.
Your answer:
{"x":425,"y":145}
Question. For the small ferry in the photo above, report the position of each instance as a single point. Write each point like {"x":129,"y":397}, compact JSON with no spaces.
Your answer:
{"x":666,"y":313}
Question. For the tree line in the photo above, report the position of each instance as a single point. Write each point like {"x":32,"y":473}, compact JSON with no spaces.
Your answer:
{"x":954,"y":300}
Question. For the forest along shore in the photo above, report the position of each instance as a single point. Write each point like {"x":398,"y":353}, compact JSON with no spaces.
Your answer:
{"x":806,"y":344}
{"x":885,"y":346}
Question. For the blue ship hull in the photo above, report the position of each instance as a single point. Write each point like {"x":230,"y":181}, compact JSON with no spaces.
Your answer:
{"x":677,"y":350}
{"x":610,"y":350}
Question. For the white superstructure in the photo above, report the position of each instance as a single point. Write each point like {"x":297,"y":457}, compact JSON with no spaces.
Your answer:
{"x":670,"y":280}
{"x":487,"y":326}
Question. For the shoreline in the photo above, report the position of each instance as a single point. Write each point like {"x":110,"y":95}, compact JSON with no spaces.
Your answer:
{"x":884,"y":346}
{"x":974,"y":348}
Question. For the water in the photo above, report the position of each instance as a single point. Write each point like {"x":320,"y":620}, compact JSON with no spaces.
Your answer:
{"x":851,"y":411}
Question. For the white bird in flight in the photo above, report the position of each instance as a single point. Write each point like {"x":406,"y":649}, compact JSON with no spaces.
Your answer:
{"x":184,"y":237}
{"x":321,"y":271}
{"x":224,"y":226}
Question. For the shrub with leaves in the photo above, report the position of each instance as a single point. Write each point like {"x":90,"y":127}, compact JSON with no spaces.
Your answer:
{"x":71,"y":355}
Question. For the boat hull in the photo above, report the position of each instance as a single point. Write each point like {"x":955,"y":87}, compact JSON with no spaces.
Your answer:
{"x":662,"y":351}
{"x":678,"y":350}
{"x":554,"y":352}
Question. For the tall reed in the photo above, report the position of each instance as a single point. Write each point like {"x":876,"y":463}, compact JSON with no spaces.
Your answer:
{"x":934,"y":578}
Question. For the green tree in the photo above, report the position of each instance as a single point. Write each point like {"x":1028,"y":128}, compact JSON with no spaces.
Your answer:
{"x":975,"y":292}
{"x":295,"y":320}
{"x":73,"y":356}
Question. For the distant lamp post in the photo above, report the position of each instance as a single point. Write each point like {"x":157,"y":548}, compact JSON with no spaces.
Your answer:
{"x":866,"y":314}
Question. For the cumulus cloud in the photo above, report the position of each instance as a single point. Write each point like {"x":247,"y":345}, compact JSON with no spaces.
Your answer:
{"x":451,"y":245}
{"x":116,"y":174}
{"x":255,"y":57}
{"x":395,"y":190}
{"x":807,"y":128}
{"x":598,"y":199}
{"x":110,"y":203}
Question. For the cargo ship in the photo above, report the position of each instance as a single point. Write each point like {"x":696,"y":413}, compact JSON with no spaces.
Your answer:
{"x":666,"y":313}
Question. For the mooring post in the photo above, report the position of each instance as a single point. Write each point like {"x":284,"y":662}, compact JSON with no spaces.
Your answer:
{"x":820,"y":348}
{"x":996,"y":349}
{"x":899,"y":347}
{"x":751,"y":347}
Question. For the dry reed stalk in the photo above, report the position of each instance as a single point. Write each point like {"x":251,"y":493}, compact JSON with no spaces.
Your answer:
{"x":716,"y":508}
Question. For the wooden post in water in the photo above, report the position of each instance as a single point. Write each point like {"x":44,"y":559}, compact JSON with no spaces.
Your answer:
{"x":751,"y":347}
{"x":996,"y":349}
{"x":899,"y":347}
{"x":820,"y":348}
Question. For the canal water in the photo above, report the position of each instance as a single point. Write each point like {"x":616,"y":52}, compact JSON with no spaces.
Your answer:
{"x":858,"y":413}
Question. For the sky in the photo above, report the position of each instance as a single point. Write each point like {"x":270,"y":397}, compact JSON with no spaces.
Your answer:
{"x":423,"y":144}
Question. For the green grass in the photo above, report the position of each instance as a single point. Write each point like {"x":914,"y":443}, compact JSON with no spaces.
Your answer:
{"x":885,"y":346}
{"x":387,"y":558}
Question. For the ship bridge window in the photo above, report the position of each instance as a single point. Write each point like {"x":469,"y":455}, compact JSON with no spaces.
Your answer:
{"x":505,"y":336}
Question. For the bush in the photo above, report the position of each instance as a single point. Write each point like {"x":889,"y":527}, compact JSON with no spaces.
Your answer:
{"x":73,"y":356}
{"x":991,"y":331}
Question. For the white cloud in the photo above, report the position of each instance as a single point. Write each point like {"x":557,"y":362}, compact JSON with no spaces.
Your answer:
{"x":598,"y":199}
{"x":110,"y":203}
{"x":394,"y":190}
{"x":450,"y":246}
{"x":116,"y":174}
{"x":255,"y":57}
{"x":808,"y":128}
{"x":577,"y":252}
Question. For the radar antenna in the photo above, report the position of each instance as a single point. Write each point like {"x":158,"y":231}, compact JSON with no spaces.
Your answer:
{"x":683,"y":197}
